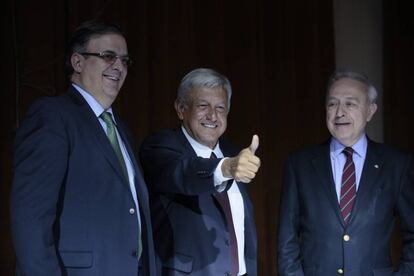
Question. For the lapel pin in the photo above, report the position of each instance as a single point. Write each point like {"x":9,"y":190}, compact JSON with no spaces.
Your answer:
{"x":376,"y":166}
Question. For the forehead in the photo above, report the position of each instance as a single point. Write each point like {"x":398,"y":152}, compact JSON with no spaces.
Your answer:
{"x":348,"y":88}
{"x":108,"y":42}
{"x":217,"y":94}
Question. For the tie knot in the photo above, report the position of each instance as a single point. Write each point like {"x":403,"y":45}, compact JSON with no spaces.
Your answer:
{"x":213,"y":155}
{"x":106,"y":116}
{"x":348,"y":152}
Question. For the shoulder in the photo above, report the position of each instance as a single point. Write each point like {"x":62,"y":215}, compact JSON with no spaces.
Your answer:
{"x":165,"y":138}
{"x":389,"y":152}
{"x":310,"y":152}
{"x":56,"y":104}
{"x":162,"y":135}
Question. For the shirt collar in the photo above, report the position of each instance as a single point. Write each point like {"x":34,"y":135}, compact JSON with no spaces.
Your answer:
{"x":360,"y":147}
{"x":202,"y":150}
{"x":93,"y":103}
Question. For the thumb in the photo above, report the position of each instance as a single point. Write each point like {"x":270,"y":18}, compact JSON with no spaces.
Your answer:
{"x":255,"y":144}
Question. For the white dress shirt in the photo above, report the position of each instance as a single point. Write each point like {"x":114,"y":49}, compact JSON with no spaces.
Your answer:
{"x":235,"y":197}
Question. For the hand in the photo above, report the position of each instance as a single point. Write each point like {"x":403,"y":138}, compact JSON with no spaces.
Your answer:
{"x":244,"y":166}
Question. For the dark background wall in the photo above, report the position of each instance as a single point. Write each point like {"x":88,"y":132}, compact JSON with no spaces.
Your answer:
{"x":278,"y":55}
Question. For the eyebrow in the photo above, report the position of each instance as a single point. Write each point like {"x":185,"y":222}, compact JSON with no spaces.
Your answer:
{"x":346,"y":98}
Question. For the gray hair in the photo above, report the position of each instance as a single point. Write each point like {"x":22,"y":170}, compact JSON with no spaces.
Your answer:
{"x":202,"y":77}
{"x":348,"y":74}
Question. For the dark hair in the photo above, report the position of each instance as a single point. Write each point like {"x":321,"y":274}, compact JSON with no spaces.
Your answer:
{"x":82,"y":35}
{"x":349,"y":74}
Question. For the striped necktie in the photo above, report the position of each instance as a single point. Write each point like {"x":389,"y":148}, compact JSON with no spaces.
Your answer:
{"x":348,"y":186}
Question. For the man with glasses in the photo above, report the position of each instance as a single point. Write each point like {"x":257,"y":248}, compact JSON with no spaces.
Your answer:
{"x":79,"y":205}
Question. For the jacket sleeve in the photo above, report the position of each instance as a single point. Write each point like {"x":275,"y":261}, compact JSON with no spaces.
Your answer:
{"x":405,"y":208}
{"x":169,"y":168}
{"x":40,"y":161}
{"x":289,"y":256}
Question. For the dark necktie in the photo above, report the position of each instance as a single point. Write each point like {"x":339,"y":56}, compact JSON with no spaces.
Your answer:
{"x":224,"y":202}
{"x":111,"y":133}
{"x":348,"y":186}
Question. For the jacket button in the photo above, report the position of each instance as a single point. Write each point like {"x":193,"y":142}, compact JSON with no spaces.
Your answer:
{"x":132,"y":211}
{"x":346,"y":238}
{"x":134,"y":254}
{"x":227,"y":242}
{"x":340,"y":271}
{"x":227,"y":274}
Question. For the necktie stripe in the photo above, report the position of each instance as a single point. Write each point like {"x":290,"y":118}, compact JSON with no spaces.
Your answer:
{"x":347,"y":191}
{"x":348,"y":186}
{"x":347,"y":167}
{"x":345,"y":182}
{"x":350,"y":201}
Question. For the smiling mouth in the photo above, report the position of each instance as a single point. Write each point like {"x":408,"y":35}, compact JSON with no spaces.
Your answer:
{"x":211,"y":126}
{"x":342,"y":124}
{"x":112,"y":78}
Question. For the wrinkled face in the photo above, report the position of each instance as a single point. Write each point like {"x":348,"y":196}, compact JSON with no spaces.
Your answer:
{"x":102,"y":79}
{"x":204,"y":116}
{"x":348,"y":110}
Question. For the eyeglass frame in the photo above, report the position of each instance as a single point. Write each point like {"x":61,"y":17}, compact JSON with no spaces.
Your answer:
{"x":125,"y":59}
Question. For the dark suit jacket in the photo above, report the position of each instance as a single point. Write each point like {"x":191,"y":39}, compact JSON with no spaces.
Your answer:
{"x":312,"y":233}
{"x":72,"y":212}
{"x":190,"y":233}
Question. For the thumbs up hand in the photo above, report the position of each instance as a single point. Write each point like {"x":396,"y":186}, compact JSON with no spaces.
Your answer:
{"x":245,"y":165}
{"x":255,"y":144}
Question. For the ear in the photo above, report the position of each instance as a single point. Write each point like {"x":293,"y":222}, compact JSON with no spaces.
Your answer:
{"x":371,"y":109}
{"x":179,"y":108}
{"x":77,"y":62}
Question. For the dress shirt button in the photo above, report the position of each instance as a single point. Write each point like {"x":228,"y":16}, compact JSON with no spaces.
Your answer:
{"x":132,"y":211}
{"x":346,"y":238}
{"x":340,"y":271}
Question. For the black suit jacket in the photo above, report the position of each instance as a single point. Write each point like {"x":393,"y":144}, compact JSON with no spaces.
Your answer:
{"x":190,"y":233}
{"x":72,"y":212}
{"x":313,"y":239}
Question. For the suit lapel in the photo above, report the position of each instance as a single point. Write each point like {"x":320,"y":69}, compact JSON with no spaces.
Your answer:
{"x":323,"y":167}
{"x":186,"y":144}
{"x":139,"y":180}
{"x":89,"y":118}
{"x":370,"y":172}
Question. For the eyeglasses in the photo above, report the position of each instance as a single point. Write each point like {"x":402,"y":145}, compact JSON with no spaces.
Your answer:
{"x":110,"y":57}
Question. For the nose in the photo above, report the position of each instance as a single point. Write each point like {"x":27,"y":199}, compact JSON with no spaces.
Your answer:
{"x":340,"y":111}
{"x":117,"y":64}
{"x":211,"y":114}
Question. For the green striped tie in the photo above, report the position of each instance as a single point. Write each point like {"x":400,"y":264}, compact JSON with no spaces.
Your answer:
{"x":111,"y":133}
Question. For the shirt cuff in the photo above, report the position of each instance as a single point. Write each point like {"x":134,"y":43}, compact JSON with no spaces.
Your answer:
{"x":220,"y":181}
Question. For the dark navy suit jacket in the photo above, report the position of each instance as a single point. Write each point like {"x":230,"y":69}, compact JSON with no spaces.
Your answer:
{"x":72,"y":212}
{"x":313,"y":239}
{"x":190,"y":232}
